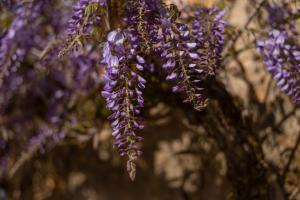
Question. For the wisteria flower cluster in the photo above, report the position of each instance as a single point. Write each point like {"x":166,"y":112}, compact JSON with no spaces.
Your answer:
{"x":189,"y":54}
{"x":123,"y":91}
{"x":279,"y":13}
{"x":149,"y":38}
{"x":31,"y":74}
{"x":70,"y":68}
{"x":281,"y":50}
{"x":18,"y":38}
{"x":87,"y":14}
{"x":283,"y":61}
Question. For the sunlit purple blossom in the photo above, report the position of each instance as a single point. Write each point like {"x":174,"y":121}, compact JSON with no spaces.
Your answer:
{"x":123,"y":92}
{"x":190,"y":55}
{"x":282,"y":60}
{"x":208,"y":28}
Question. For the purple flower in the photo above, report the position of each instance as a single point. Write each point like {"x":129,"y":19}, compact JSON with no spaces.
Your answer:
{"x":18,"y":38}
{"x":279,"y":14}
{"x":180,"y":58}
{"x":282,"y":60}
{"x":123,"y":93}
{"x":143,"y":23}
{"x":39,"y":140}
{"x":81,"y":16}
{"x":86,"y":15}
{"x":189,"y":56}
{"x":208,"y":28}
{"x":10,"y":4}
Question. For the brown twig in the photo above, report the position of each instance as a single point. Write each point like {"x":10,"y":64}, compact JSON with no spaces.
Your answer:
{"x":286,"y":117}
{"x":258,"y":7}
{"x":291,"y":158}
{"x":27,"y":155}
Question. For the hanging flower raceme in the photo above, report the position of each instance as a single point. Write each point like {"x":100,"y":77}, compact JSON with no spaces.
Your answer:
{"x":208,"y":28}
{"x":282,"y":60}
{"x":142,"y":21}
{"x":123,"y":94}
{"x":180,"y":58}
{"x":83,"y":16}
{"x":86,"y":15}
{"x":190,"y":56}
